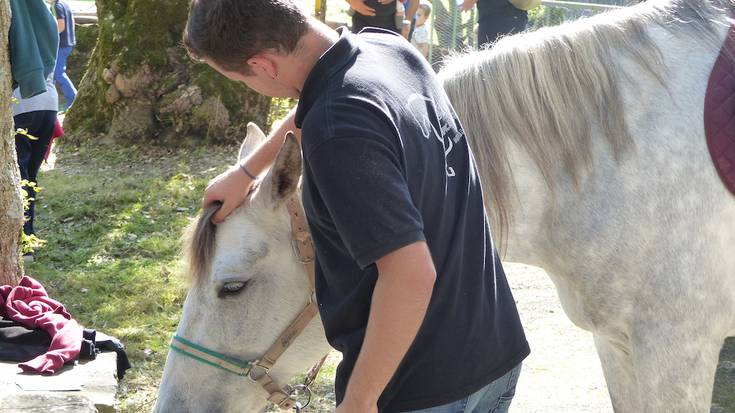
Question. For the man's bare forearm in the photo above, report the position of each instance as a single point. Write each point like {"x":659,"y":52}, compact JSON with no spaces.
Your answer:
{"x":263,"y":157}
{"x":231,"y":188}
{"x":398,"y":308}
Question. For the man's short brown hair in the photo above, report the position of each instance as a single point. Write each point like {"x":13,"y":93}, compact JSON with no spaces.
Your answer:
{"x":229,"y":32}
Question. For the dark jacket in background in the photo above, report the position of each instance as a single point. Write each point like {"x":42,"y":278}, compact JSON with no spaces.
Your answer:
{"x":498,"y":18}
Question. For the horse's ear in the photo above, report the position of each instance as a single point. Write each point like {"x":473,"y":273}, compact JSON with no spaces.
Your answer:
{"x":253,"y":139}
{"x":286,"y":171}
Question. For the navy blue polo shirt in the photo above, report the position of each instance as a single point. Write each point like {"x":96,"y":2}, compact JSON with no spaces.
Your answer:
{"x":386,"y":165}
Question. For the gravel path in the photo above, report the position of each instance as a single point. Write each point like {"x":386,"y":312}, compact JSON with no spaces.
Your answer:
{"x":563,"y":373}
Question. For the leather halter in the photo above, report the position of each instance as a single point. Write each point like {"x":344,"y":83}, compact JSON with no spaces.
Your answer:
{"x":259,"y":370}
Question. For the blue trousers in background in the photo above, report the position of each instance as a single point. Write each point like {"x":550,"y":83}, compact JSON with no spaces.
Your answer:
{"x":62,"y":79}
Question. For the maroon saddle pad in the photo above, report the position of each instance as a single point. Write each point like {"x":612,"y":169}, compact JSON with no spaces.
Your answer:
{"x":719,"y":112}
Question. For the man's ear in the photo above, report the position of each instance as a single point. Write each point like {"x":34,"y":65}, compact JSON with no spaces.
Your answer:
{"x":263,"y":63}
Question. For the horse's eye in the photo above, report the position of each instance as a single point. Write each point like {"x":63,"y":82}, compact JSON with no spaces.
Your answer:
{"x":231,"y":288}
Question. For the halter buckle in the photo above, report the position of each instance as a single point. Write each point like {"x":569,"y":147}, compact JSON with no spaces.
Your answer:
{"x":258,"y":365}
{"x":304,"y":259}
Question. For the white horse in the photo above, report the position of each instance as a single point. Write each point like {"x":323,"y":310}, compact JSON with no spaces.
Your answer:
{"x":248,"y":286}
{"x":590,"y":144}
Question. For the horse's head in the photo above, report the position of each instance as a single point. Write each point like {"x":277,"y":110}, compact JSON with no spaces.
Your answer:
{"x":247,"y":287}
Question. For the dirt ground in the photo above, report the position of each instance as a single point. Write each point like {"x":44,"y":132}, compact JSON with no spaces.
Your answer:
{"x":563,"y":373}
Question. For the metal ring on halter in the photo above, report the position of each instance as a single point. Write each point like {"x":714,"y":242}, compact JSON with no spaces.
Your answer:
{"x":301,"y":388}
{"x":256,"y":365}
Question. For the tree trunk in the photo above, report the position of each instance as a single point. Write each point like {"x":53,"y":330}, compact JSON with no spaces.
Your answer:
{"x":11,"y":202}
{"x":140,"y":83}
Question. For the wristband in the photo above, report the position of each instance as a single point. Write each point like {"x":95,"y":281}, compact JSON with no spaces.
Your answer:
{"x":251,"y":176}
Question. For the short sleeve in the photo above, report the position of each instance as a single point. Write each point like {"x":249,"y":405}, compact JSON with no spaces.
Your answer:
{"x":362,"y":185}
{"x":60,"y":12}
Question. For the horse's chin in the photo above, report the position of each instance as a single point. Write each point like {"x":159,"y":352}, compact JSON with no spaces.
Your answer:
{"x":203,"y":401}
{"x":196,"y":390}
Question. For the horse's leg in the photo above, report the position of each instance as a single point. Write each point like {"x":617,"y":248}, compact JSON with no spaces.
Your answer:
{"x":617,"y":366}
{"x":675,"y":369}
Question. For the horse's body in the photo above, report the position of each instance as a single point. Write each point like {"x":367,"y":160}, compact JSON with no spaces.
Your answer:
{"x":608,"y":185}
{"x":639,"y":237}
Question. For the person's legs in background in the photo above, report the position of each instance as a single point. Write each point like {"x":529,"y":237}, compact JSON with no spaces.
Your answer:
{"x":30,"y":152}
{"x":62,"y":79}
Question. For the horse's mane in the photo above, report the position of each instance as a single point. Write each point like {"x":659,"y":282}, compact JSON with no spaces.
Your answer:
{"x":544,"y":90}
{"x":198,"y":246}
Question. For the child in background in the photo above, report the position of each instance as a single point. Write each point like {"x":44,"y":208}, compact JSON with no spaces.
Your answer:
{"x":420,"y":37}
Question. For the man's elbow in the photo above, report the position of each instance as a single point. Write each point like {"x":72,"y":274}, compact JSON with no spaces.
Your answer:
{"x":425,"y":279}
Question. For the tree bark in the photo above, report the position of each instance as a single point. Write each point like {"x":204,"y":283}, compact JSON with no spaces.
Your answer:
{"x":11,"y":202}
{"x":140,"y":84}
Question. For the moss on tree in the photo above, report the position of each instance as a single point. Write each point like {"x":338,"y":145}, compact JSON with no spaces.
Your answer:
{"x":141,"y":85}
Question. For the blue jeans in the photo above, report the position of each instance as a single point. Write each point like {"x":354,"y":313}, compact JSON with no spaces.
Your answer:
{"x":493,"y":398}
{"x":61,"y":78}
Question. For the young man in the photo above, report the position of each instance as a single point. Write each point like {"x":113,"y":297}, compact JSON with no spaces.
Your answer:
{"x":409,"y":285}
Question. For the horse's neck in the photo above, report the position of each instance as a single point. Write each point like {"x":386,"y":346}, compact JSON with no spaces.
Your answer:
{"x":528,"y":210}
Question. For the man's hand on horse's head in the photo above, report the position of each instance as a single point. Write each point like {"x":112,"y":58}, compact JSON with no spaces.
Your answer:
{"x":230,"y":188}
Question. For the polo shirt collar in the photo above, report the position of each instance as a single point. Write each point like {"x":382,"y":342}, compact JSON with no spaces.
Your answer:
{"x":334,"y":59}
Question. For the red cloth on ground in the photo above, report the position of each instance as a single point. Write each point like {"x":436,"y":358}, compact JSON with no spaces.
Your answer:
{"x":29,"y":304}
